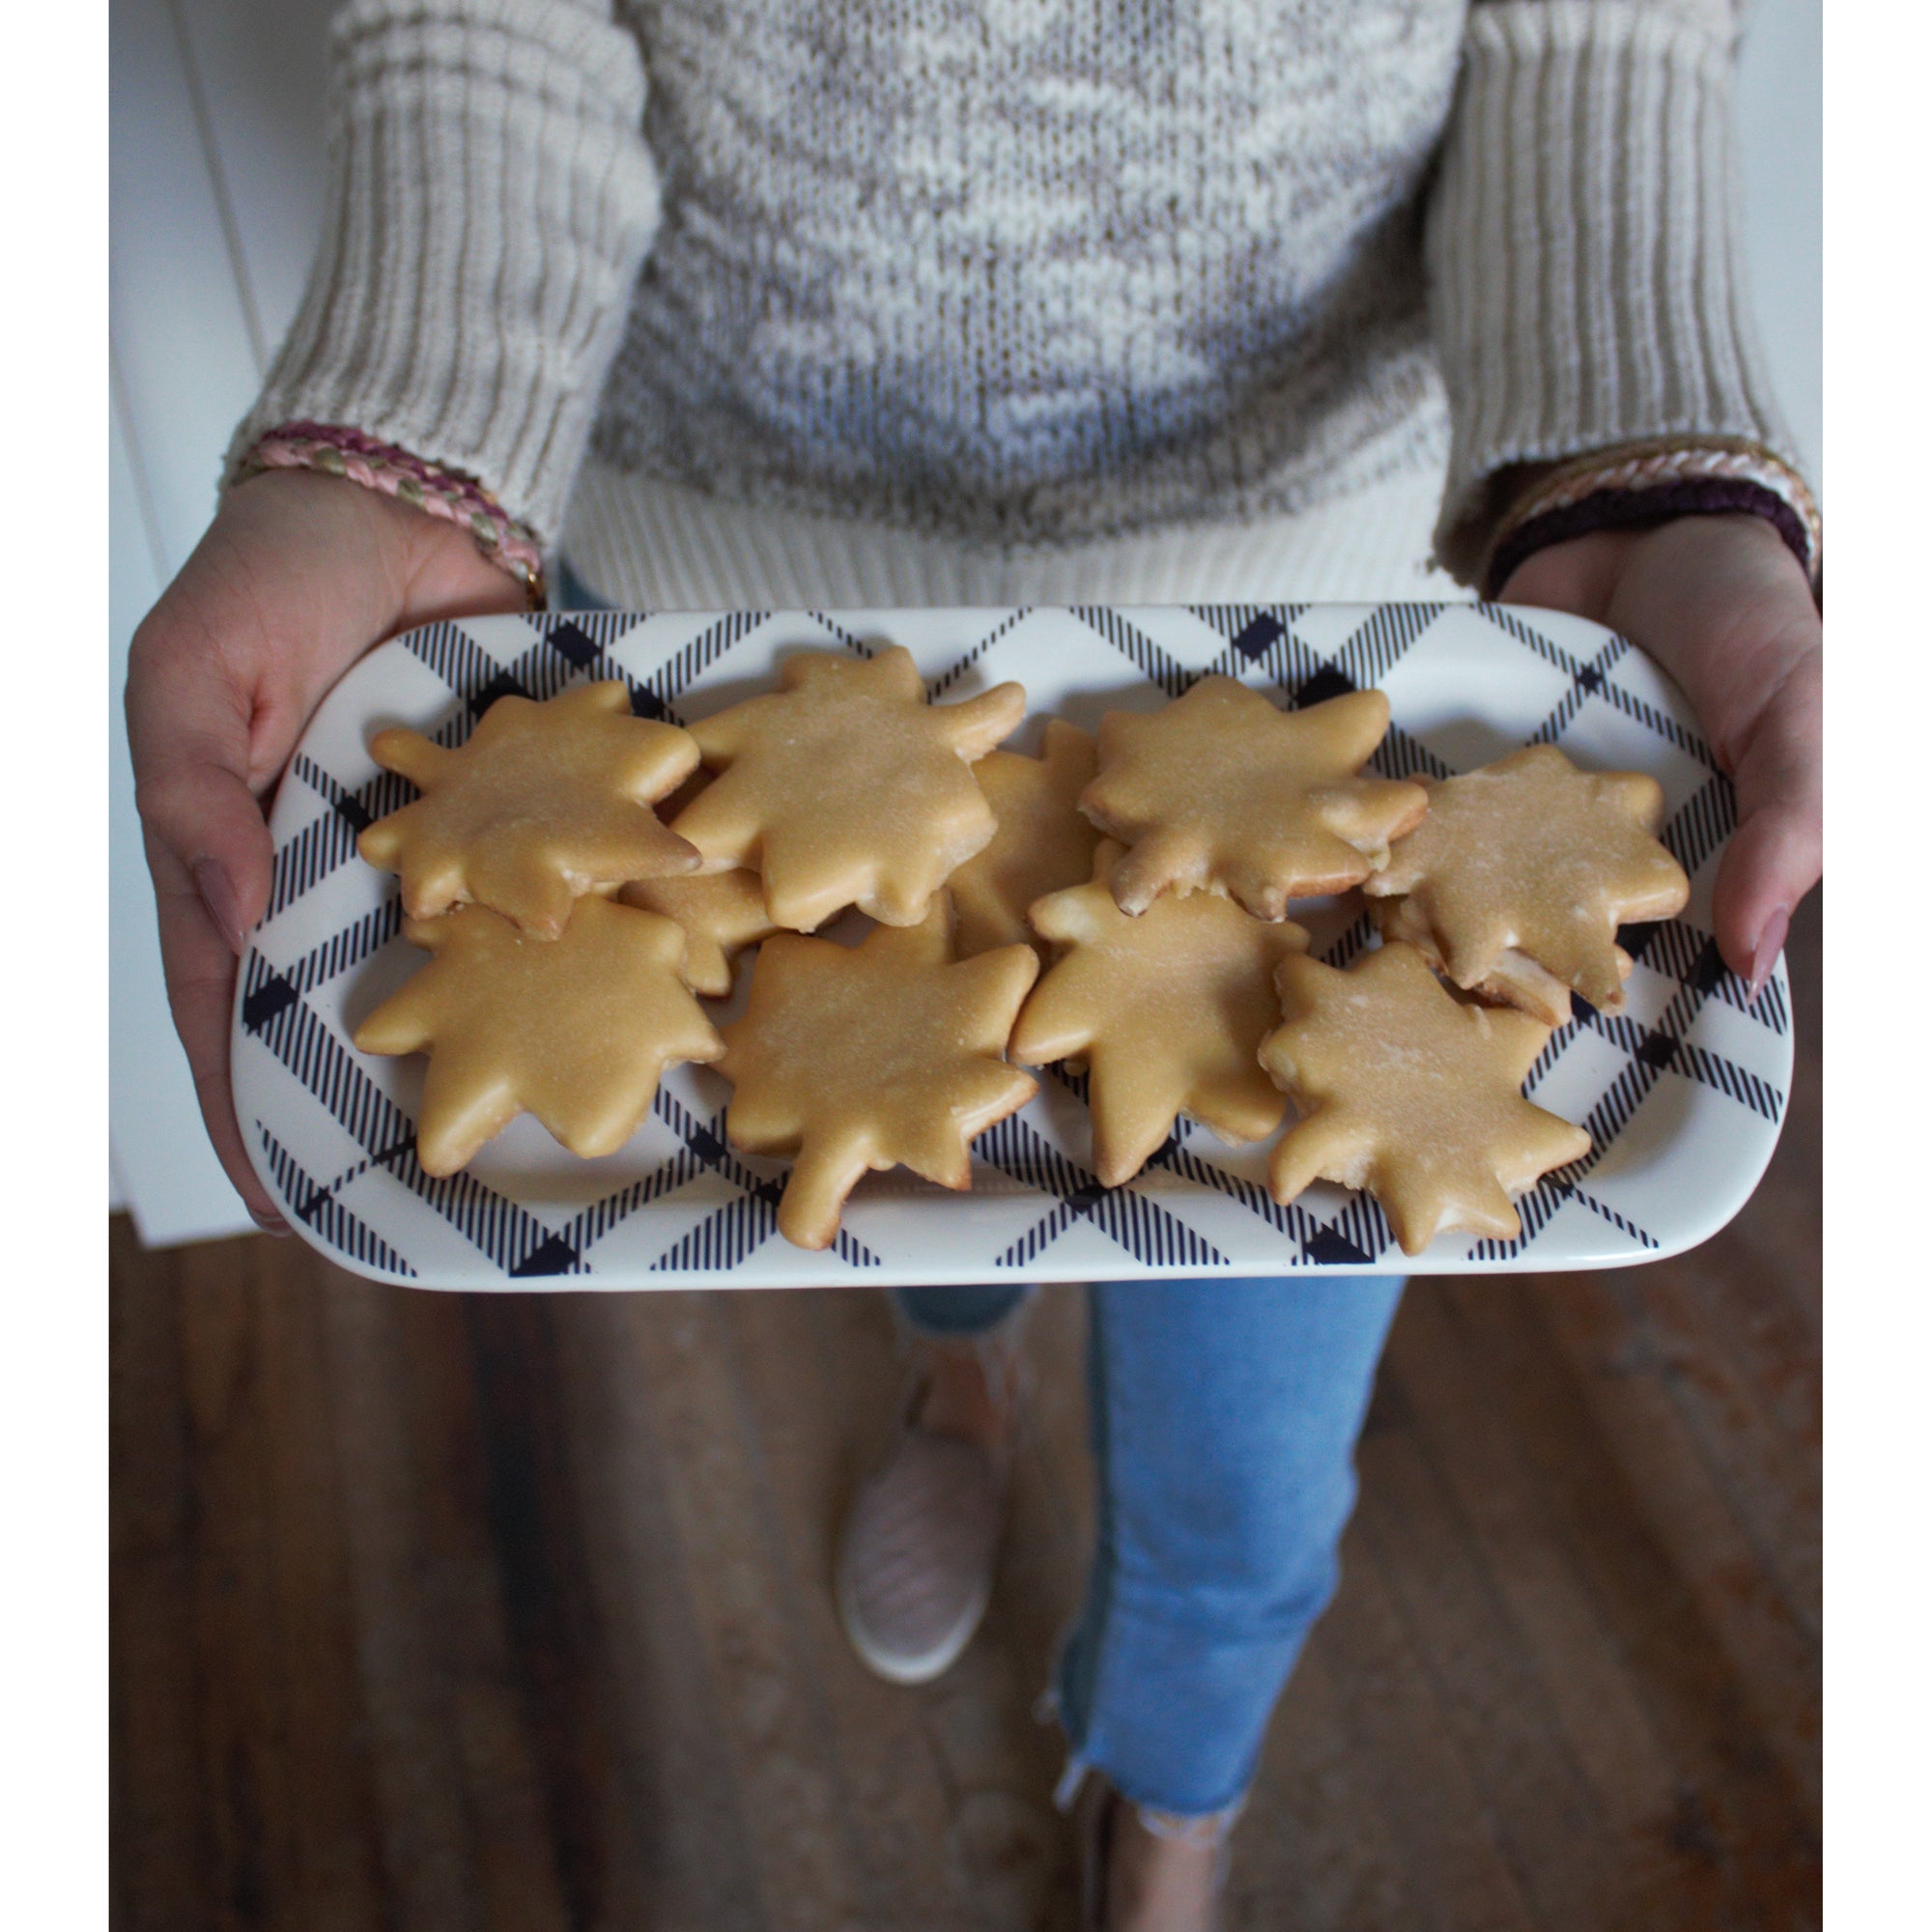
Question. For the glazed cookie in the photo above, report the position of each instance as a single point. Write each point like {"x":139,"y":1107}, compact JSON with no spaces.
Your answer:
{"x":1220,"y":790}
{"x":855,"y":1057}
{"x":575,"y":1030}
{"x":846,"y":787}
{"x":722,"y":913}
{"x":1042,"y":842}
{"x":1168,"y":1008}
{"x":1411,"y":1094}
{"x":542,"y":804}
{"x":1516,"y":881}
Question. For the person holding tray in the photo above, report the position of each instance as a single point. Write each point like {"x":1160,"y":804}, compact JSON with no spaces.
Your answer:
{"x":888,"y":303}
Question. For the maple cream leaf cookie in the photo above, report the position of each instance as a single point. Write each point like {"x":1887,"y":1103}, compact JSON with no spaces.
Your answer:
{"x":722,"y":913}
{"x":576,"y":1030}
{"x":1516,"y":881}
{"x":1043,"y":843}
{"x":847,"y":788}
{"x":1221,"y":790}
{"x":1408,"y":1092}
{"x":543,"y":803}
{"x":1168,"y":1008}
{"x":875,"y":1056}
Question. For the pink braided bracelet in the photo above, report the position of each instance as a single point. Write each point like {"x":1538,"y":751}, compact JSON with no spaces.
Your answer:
{"x":456,"y":498}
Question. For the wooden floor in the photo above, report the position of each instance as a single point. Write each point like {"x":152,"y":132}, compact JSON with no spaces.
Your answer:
{"x":466,"y":1612}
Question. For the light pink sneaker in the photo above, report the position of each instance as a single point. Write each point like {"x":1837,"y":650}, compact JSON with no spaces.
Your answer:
{"x":914,"y":1564}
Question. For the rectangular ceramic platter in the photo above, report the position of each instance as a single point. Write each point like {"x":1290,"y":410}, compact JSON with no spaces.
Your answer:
{"x":1682,"y":1094}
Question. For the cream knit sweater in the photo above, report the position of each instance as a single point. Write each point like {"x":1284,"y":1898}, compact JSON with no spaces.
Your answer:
{"x":1025,"y":273}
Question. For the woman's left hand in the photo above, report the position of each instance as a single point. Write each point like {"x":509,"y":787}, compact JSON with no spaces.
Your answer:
{"x":1722,"y":604}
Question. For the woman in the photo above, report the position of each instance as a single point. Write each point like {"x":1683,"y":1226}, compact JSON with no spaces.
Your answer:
{"x":901,"y":302}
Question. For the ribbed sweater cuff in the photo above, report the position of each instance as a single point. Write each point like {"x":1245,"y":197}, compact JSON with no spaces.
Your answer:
{"x":491,"y":201}
{"x":1587,"y":284}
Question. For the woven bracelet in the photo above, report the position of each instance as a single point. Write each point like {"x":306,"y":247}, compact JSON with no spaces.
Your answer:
{"x":1646,"y":484}
{"x":459,"y":499}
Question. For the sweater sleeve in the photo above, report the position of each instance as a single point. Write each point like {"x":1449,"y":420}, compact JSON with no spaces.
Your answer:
{"x":491,"y":201}
{"x":1586,"y":274}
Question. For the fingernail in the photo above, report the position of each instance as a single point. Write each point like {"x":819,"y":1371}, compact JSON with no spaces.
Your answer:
{"x":269,"y":1224}
{"x":224,"y":906}
{"x":1769,"y":943}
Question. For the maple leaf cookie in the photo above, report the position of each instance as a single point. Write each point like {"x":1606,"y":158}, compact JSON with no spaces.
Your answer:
{"x":1168,"y":1008}
{"x":722,"y":913}
{"x":541,"y":803}
{"x":1516,"y":881}
{"x":1221,"y":790}
{"x":1042,"y":842}
{"x":576,"y":1030}
{"x":847,"y":788}
{"x":875,"y":1056}
{"x":1408,"y":1092}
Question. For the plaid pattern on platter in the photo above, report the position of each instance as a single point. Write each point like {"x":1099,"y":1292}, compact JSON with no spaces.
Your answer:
{"x":1683,"y":1093}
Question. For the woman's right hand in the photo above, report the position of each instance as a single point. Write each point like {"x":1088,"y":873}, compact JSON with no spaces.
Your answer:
{"x":298,"y":574}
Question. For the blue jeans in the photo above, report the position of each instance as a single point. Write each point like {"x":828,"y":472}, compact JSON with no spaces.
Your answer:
{"x":1224,"y":1419}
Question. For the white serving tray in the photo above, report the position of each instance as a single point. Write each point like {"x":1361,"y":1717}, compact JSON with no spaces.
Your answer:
{"x":1683,"y":1093}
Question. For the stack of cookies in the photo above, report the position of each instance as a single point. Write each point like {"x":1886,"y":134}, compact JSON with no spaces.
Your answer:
{"x":1148,"y":871}
{"x":543,"y":995}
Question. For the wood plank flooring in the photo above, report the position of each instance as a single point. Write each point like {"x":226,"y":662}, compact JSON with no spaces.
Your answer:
{"x":436,"y":1614}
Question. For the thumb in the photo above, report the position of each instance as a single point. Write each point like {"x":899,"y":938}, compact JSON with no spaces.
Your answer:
{"x":201,"y":818}
{"x":1776,"y":854}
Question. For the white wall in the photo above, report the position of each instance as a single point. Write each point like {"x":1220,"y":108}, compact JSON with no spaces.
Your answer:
{"x":1780,"y":158}
{"x":217,"y":198}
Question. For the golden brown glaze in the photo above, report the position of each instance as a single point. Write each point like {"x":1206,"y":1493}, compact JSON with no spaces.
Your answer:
{"x":1222,"y":790}
{"x":1516,"y":881}
{"x":542,"y":804}
{"x":855,"y":1057}
{"x":1043,"y":843}
{"x":846,"y":787}
{"x":1409,"y":1093}
{"x":1167,"y":1009}
{"x":576,"y":1030}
